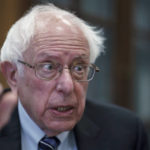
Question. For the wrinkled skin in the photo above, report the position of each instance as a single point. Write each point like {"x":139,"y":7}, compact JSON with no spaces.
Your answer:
{"x":64,"y":43}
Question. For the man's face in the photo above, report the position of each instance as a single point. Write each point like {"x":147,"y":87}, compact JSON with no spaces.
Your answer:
{"x":55,"y":105}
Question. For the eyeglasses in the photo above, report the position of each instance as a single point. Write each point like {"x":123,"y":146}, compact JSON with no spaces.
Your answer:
{"x":51,"y":70}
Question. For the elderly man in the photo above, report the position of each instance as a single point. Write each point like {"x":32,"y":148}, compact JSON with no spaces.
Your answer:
{"x":47,"y":59}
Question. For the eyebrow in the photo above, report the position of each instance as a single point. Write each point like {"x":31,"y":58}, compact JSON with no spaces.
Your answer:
{"x":84,"y":59}
{"x":83,"y":56}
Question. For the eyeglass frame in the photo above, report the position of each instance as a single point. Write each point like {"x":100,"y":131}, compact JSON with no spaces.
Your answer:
{"x":96,"y":69}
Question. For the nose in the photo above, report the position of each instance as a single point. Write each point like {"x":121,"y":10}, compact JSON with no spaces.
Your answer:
{"x":65,"y":82}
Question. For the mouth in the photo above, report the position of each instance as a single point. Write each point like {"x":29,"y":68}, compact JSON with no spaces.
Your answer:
{"x":63,"y":108}
{"x":62,"y":111}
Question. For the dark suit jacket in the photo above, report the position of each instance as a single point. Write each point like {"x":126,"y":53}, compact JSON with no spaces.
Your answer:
{"x":103,"y":127}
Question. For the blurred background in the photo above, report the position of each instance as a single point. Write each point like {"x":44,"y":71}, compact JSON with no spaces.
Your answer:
{"x":125,"y":66}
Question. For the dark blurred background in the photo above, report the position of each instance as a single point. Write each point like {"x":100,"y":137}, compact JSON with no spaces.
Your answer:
{"x":125,"y":67}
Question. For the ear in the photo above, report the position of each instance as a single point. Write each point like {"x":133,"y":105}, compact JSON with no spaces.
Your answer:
{"x":9,"y":71}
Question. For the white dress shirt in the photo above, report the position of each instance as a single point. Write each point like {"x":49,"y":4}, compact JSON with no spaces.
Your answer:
{"x":31,"y":134}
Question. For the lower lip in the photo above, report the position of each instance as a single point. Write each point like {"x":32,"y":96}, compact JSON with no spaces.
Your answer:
{"x":63,"y":113}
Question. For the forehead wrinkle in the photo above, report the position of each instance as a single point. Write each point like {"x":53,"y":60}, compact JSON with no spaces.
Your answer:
{"x":61,"y":47}
{"x":53,"y":53}
{"x":56,"y":38}
{"x":52,"y":33}
{"x":57,"y":55}
{"x":56,"y":43}
{"x":67,"y":39}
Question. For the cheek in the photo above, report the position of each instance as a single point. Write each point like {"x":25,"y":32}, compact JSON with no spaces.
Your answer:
{"x":34,"y":95}
{"x":81,"y":90}
{"x":40,"y":93}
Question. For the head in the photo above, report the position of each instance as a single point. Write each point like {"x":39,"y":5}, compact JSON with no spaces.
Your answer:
{"x":58,"y":39}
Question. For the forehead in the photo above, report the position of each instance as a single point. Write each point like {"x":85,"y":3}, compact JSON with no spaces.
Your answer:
{"x":62,"y":36}
{"x":62,"y":56}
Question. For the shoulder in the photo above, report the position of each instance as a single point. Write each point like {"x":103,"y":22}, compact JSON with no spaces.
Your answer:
{"x":110,"y":111}
{"x":114,"y":119}
{"x":114,"y":127}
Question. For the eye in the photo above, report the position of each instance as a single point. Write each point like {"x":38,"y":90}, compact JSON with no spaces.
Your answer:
{"x":47,"y":70}
{"x":47,"y":67}
{"x":79,"y":72}
{"x":78,"y":68}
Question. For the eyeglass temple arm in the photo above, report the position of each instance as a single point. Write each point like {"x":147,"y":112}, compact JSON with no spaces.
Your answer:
{"x":22,"y":62}
{"x":96,"y":68}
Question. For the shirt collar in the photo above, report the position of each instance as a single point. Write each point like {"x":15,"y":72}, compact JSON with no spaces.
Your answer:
{"x":32,"y":130}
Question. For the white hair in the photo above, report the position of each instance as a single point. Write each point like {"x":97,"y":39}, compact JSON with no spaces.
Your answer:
{"x":20,"y":34}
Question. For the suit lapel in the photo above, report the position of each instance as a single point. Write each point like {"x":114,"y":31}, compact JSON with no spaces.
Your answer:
{"x":86,"y":133}
{"x":10,"y":137}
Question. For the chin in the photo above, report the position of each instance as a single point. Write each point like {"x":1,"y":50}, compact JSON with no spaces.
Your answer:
{"x":55,"y":128}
